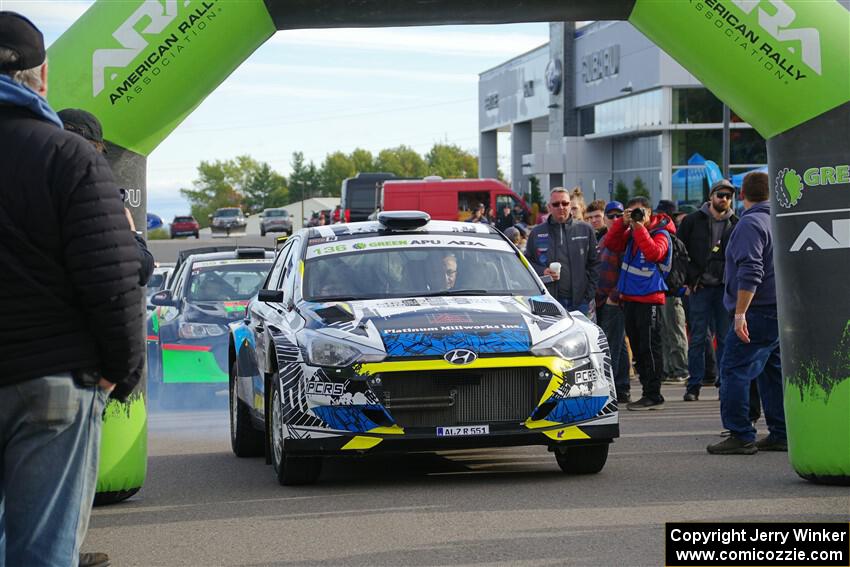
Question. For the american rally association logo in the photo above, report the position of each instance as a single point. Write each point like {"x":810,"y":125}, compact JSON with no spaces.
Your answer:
{"x":788,"y":188}
{"x":460,"y":356}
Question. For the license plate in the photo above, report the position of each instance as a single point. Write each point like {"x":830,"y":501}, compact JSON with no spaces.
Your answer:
{"x":586,"y":376}
{"x":463,"y":430}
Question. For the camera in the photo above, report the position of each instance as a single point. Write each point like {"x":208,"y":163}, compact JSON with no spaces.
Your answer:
{"x":637,"y":214}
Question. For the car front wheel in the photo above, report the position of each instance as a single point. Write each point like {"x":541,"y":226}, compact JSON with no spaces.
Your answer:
{"x":582,"y":459}
{"x":244,"y":439}
{"x":290,"y":470}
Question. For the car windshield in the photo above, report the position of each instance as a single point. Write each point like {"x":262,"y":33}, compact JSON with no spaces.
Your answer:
{"x":276,"y":214}
{"x":411,"y":266}
{"x":184,"y":219}
{"x":227,"y":213}
{"x":227,"y":280}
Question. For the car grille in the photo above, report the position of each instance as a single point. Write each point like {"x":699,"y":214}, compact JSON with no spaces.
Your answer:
{"x":464,"y":397}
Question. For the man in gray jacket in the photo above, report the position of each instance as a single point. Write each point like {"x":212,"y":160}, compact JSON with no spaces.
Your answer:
{"x":570,"y":243}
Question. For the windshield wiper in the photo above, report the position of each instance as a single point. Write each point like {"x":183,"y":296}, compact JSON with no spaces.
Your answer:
{"x":457,"y":292}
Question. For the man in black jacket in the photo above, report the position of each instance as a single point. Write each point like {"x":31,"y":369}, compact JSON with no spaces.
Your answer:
{"x":72,"y":325}
{"x":570,"y":243}
{"x":704,"y":232}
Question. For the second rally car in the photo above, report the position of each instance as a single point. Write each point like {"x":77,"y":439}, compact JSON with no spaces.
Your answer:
{"x":407,"y":335}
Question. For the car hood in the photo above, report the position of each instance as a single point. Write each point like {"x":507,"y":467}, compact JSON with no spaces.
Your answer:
{"x":214,"y":311}
{"x":433,"y":326}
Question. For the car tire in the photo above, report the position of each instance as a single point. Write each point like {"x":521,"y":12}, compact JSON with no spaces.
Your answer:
{"x":244,"y":439}
{"x":107,"y":498}
{"x":262,"y":232}
{"x":582,"y":459}
{"x":197,"y":235}
{"x":290,"y":470}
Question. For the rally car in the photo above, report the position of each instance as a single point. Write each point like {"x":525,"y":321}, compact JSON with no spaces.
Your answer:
{"x":187,"y":331}
{"x":407,"y":334}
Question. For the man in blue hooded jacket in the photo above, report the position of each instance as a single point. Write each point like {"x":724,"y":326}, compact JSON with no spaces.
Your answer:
{"x":751,"y":351}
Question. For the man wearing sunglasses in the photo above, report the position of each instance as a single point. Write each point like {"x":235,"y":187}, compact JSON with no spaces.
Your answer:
{"x":572,"y":244}
{"x":704,"y":234}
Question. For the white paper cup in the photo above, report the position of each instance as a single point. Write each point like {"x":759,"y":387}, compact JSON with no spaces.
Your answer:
{"x":555,"y":267}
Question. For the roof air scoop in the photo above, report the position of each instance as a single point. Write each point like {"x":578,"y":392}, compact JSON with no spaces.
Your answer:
{"x":403,"y":220}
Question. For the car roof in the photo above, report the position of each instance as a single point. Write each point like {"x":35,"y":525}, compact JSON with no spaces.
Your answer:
{"x":367,"y":228}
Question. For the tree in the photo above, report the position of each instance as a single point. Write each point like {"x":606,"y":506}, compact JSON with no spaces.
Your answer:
{"x":336,"y":167}
{"x":304,"y":180}
{"x":242,"y":181}
{"x":449,"y":161}
{"x":621,"y":193}
{"x":362,"y":160}
{"x":403,"y":161}
{"x":640,"y":189}
{"x":536,"y":194}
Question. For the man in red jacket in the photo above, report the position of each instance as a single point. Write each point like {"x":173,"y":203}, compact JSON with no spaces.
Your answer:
{"x":644,"y":240}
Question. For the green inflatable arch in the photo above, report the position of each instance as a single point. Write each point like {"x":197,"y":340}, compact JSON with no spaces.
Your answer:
{"x":142,"y":66}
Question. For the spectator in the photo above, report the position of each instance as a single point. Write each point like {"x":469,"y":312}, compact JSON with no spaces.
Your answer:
{"x":674,"y":335}
{"x":88,"y":126}
{"x":505,"y":218}
{"x":643,"y":239}
{"x":609,"y":316}
{"x":578,"y":207}
{"x":705,"y":232}
{"x":514,"y":235}
{"x":595,"y":215}
{"x":520,"y":216}
{"x":751,"y":350}
{"x":72,"y":306}
{"x":478,"y":215}
{"x":571,"y":243}
{"x":613,"y":211}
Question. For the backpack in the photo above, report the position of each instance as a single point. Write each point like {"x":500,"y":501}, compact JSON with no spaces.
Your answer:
{"x":676,"y":274}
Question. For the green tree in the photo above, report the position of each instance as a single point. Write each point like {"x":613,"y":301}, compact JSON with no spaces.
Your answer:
{"x":403,"y":161}
{"x":213,"y":189}
{"x":362,"y":160}
{"x":639,"y":188}
{"x":264,"y":188}
{"x":536,"y":194}
{"x":336,"y":167}
{"x":450,"y":161}
{"x":305,"y":180}
{"x":621,"y":193}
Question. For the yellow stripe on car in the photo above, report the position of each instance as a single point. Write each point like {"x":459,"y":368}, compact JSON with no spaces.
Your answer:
{"x":566,"y":434}
{"x":361,"y":442}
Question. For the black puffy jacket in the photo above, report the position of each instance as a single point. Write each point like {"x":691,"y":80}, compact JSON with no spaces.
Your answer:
{"x":69,"y":270}
{"x":695,"y":232}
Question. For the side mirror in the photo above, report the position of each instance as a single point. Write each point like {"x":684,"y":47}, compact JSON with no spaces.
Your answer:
{"x":163,"y":299}
{"x":270,"y":296}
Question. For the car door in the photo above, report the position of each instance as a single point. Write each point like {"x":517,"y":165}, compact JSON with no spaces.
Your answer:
{"x":259,"y":312}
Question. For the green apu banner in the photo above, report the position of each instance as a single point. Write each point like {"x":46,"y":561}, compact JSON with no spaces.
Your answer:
{"x":778,"y":63}
{"x":142,"y":66}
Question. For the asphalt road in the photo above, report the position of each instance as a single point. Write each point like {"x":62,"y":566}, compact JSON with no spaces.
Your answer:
{"x":166,"y":250}
{"x":203,"y":506}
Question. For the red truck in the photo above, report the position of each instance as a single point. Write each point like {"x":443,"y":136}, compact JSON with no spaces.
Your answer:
{"x":449,"y":199}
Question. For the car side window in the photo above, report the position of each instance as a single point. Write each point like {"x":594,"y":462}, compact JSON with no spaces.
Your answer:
{"x":179,"y":280}
{"x":273,"y":280}
{"x":289,"y":271}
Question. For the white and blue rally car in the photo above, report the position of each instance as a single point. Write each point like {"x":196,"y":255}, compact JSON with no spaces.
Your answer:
{"x":407,"y":334}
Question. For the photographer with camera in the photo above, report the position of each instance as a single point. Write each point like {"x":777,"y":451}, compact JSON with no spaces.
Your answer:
{"x":644,"y":240}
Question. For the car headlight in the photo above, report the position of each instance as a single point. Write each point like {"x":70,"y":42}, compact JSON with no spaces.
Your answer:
{"x":321,"y":350}
{"x":199,"y":330}
{"x":570,"y":346}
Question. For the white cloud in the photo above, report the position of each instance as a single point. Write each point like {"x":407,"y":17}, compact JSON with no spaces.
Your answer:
{"x":265,"y":89}
{"x":435,"y":41}
{"x":275,"y":69}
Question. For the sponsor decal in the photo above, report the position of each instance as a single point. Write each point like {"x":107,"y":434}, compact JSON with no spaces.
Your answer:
{"x":463,"y":430}
{"x":395,"y":242}
{"x":443,"y":328}
{"x":789,"y":185}
{"x":149,"y":28}
{"x":460,"y":356}
{"x":814,"y":236}
{"x":586,"y":376}
{"x":325,"y":388}
{"x":774,"y":43}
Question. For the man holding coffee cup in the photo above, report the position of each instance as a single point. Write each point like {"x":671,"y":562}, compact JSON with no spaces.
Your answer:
{"x":565,"y":249}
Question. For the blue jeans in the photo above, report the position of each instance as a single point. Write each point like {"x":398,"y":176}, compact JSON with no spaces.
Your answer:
{"x":49,"y":440}
{"x":705,"y":310}
{"x":610,"y":318}
{"x":758,"y":360}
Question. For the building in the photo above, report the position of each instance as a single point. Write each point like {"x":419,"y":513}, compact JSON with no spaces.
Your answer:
{"x":602,"y":106}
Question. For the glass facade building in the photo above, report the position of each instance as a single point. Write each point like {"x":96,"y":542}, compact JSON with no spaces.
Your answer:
{"x":628,"y":115}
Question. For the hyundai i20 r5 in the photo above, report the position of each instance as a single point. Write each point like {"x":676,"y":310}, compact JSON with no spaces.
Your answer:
{"x":187,"y":331}
{"x":410,"y":335}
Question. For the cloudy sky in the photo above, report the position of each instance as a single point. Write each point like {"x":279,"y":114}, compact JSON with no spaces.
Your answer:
{"x":318,"y":91}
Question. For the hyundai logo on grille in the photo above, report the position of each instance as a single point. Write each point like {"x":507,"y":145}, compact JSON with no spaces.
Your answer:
{"x":460,"y":356}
